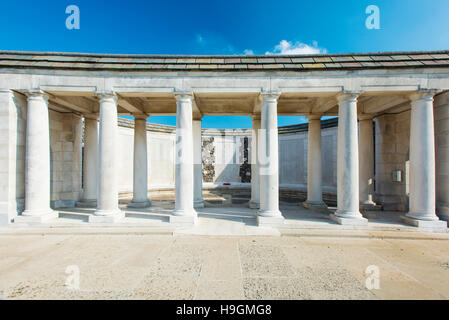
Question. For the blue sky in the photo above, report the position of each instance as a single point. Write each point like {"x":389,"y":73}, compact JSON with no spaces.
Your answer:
{"x":224,"y":27}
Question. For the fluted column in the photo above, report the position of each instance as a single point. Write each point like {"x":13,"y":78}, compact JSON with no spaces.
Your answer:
{"x":268,"y":152}
{"x":197,"y":164}
{"x":314,"y":169}
{"x":254,"y":203}
{"x":422,"y":164}
{"x":184,"y":212}
{"x":348,"y":163}
{"x":107,"y":203}
{"x":366,"y":163}
{"x":140,"y":164}
{"x":37,"y":161}
{"x":90,"y":166}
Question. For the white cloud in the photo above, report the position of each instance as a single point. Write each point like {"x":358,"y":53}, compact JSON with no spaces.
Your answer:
{"x":248,"y":52}
{"x":287,"y":47}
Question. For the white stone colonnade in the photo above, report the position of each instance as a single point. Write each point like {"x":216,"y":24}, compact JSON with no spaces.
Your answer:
{"x":355,"y":163}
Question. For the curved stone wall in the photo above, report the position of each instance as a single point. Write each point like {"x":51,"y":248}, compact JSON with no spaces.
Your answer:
{"x":227,"y":156}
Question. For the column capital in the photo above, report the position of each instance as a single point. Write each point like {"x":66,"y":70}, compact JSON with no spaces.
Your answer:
{"x":140,"y":116}
{"x":37,"y":94}
{"x":270,"y":96}
{"x":183,"y":96}
{"x":107,"y":95}
{"x":365,"y":116}
{"x":348,"y":96}
{"x":314,"y":116}
{"x":423,"y":94}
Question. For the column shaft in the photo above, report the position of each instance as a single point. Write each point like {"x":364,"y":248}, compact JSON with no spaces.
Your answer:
{"x":140,"y":165}
{"x":268,"y":155}
{"x":255,"y":175}
{"x":422,"y":165}
{"x":107,"y":203}
{"x":37,"y":161}
{"x":348,"y":162}
{"x":314,"y":166}
{"x":422,"y":158}
{"x":184,"y":211}
{"x":197,"y":164}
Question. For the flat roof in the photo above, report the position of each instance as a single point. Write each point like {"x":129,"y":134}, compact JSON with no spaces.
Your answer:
{"x":222,"y":63}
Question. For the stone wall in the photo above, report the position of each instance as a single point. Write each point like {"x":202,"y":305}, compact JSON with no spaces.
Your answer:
{"x":226,"y":156}
{"x":392,"y":144}
{"x":230,"y":160}
{"x":161,"y":155}
{"x":65,"y":159}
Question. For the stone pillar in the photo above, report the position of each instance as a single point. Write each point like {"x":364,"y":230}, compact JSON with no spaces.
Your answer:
{"x":254,"y":203}
{"x":422,"y":164}
{"x":366,"y":163}
{"x":184,"y":212}
{"x":140,"y":167}
{"x":37,"y":163}
{"x":314,"y":169}
{"x":107,"y":202}
{"x":268,"y":157}
{"x":90,"y":165}
{"x":348,"y":163}
{"x":197,"y":164}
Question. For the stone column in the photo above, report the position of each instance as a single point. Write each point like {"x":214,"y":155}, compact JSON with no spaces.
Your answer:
{"x":184,"y":212}
{"x":197,"y":164}
{"x":140,"y":164}
{"x":268,"y":157}
{"x":314,"y":169}
{"x":37,"y":163}
{"x":107,"y":203}
{"x":422,"y":164}
{"x":348,"y":163}
{"x":366,"y":163}
{"x":254,"y":203}
{"x":90,"y":165}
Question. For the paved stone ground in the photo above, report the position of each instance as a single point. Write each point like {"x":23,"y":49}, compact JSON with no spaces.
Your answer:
{"x":145,"y":266}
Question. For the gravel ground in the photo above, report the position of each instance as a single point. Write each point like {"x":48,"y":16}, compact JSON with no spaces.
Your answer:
{"x":139,"y":266}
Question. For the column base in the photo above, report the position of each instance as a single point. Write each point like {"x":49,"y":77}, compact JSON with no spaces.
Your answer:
{"x":36,"y":217}
{"x":349,"y":221}
{"x":426,"y":225}
{"x":314,"y":205}
{"x":275,"y":221}
{"x":443,"y":212}
{"x":198,"y":204}
{"x":180,"y":218}
{"x":368,"y":209}
{"x":139,"y":204}
{"x":370,"y":206}
{"x":253,"y":205}
{"x":86,"y":204}
{"x":100,"y":217}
